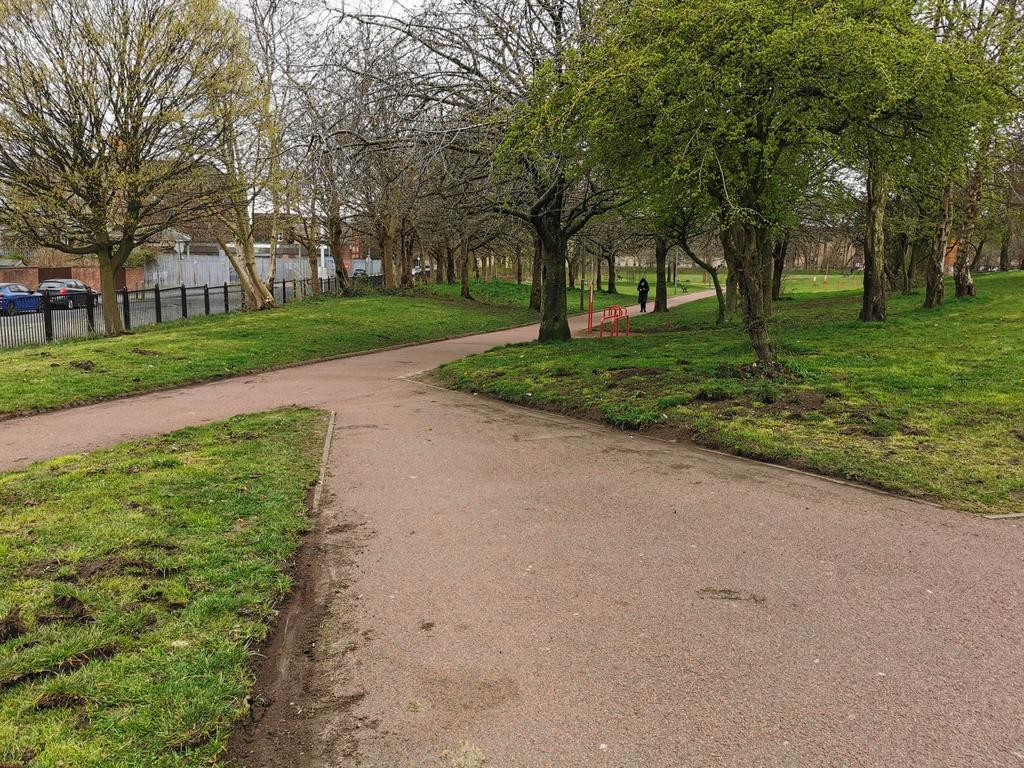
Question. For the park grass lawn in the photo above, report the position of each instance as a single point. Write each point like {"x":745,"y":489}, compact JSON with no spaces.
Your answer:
{"x":199,"y":349}
{"x":929,"y":404}
{"x":508,"y":293}
{"x":135,"y":583}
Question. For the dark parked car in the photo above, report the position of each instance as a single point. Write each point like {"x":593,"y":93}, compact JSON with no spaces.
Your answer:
{"x":15,"y":297}
{"x":65,"y":293}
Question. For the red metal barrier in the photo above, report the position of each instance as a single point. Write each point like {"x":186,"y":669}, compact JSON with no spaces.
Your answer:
{"x":614,"y":315}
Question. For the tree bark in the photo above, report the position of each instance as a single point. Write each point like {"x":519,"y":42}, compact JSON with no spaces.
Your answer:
{"x":1004,"y":250}
{"x":519,"y":262}
{"x":112,"y":324}
{"x":313,"y":256}
{"x":611,"y":273}
{"x":873,"y":300}
{"x":749,"y":260}
{"x":963,"y":280}
{"x":731,"y":293}
{"x":779,"y":266}
{"x":554,"y":321}
{"x":536,"y":275}
{"x":464,"y":270}
{"x":935,"y":288}
{"x":661,"y":248}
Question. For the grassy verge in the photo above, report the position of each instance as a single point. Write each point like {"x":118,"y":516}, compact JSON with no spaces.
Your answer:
{"x":74,"y":372}
{"x":134,"y":583}
{"x":929,"y":404}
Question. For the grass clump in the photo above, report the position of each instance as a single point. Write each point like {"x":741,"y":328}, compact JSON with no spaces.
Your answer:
{"x":930,"y":403}
{"x":134,"y":584}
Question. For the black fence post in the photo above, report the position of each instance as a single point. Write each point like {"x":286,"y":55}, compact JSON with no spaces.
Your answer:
{"x":156,"y":303}
{"x":206,"y":298}
{"x":227,"y":301}
{"x":47,"y":316}
{"x":284,"y":291}
{"x":90,"y":310}
{"x":184,"y":301}
{"x":126,"y":309}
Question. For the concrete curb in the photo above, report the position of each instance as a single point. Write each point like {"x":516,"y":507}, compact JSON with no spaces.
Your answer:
{"x":324,"y":456}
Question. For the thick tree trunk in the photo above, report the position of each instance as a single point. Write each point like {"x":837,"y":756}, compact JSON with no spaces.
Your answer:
{"x":661,"y":247}
{"x":873,"y":301}
{"x":112,"y":324}
{"x":611,"y":273}
{"x":935,"y":288}
{"x":779,"y":266}
{"x":313,"y":257}
{"x":554,"y":321}
{"x":597,"y":276}
{"x":731,"y":293}
{"x":1004,"y":250}
{"x":449,"y":260}
{"x":749,"y":260}
{"x":554,"y":324}
{"x":536,"y":275}
{"x":963,"y":280}
{"x":907,"y":264}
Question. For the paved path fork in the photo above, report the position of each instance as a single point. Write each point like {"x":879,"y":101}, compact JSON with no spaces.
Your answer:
{"x":550,"y":593}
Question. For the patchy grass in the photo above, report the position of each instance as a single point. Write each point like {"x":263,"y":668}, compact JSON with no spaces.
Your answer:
{"x":134,"y":583}
{"x":75,"y":372}
{"x":929,"y":404}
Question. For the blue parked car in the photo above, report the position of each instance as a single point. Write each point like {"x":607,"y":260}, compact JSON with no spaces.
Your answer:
{"x":15,"y":297}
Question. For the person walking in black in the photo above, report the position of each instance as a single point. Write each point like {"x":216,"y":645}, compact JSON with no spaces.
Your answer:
{"x":642,"y":290}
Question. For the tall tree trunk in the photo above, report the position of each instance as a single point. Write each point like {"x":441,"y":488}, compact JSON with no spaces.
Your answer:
{"x":873,"y":301}
{"x":536,"y":275}
{"x":554,"y":321}
{"x":112,"y":325}
{"x":405,"y":242}
{"x":907,"y":264}
{"x":731,"y":291}
{"x":450,"y":264}
{"x":313,"y":256}
{"x":1004,"y":249}
{"x":661,"y":247}
{"x":963,"y":280}
{"x":598,"y":275}
{"x":935,"y":288}
{"x":519,"y":262}
{"x":779,"y":265}
{"x":387,"y":249}
{"x":749,"y":259}
{"x":611,"y":273}
{"x":464,"y":270}
{"x":978,"y":253}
